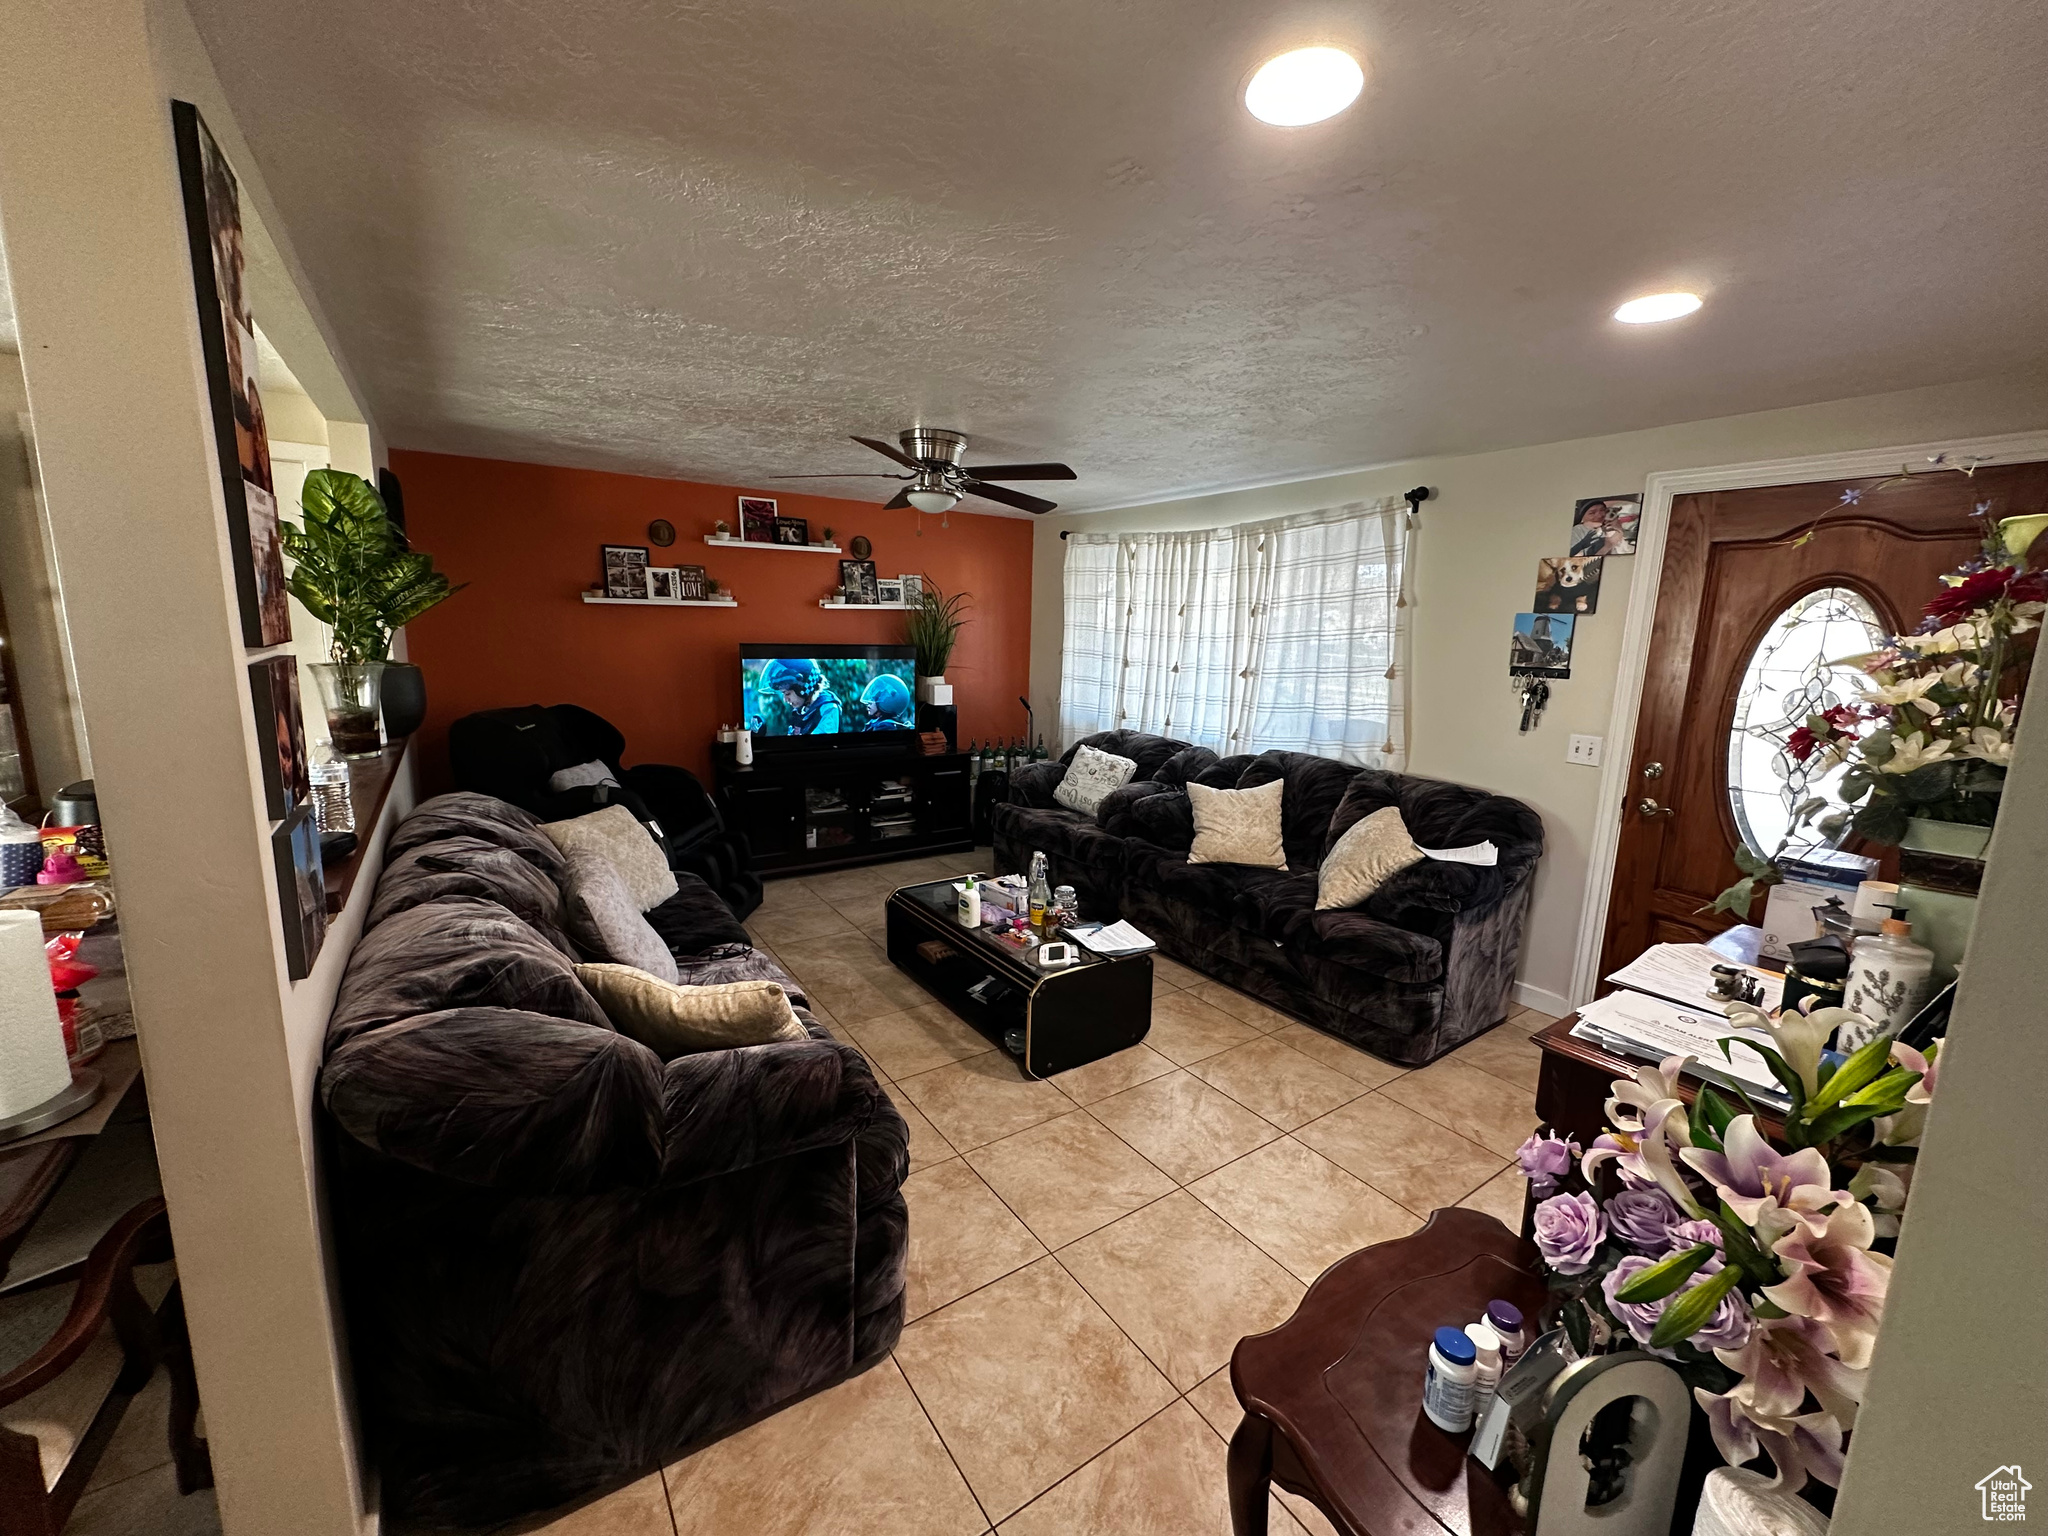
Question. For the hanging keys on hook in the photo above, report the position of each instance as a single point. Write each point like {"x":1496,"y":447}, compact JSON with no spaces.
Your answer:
{"x":1535,"y":694}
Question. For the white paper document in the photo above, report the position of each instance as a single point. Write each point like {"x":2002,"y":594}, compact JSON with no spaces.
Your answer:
{"x":1651,"y":1029}
{"x":1684,"y":973}
{"x":1115,"y":939}
{"x":1485,"y":853}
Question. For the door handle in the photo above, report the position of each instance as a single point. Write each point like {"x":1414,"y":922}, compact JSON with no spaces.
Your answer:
{"x":1650,"y":809}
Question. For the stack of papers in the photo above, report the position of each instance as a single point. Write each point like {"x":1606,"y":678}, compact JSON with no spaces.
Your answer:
{"x":1649,"y":1029}
{"x":1114,"y":940}
{"x":1485,"y":854}
{"x":1684,"y":973}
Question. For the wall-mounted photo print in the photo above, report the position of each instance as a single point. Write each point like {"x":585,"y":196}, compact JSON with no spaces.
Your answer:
{"x":301,"y":890}
{"x":1568,"y":584}
{"x":1605,"y":525}
{"x":274,"y":693}
{"x":1541,"y":646}
{"x":625,"y":570}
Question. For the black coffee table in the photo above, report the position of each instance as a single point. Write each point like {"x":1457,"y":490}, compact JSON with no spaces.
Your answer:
{"x":1068,"y":1015}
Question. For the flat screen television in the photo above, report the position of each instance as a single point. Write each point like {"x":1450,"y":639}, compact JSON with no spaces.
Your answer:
{"x":807,"y":697}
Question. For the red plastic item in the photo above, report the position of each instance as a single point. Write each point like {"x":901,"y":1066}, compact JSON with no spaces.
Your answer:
{"x":66,"y":970}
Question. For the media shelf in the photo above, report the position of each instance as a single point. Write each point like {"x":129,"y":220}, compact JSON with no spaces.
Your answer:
{"x":788,"y":549}
{"x":841,"y":603}
{"x":662,"y":602}
{"x":823,"y":809}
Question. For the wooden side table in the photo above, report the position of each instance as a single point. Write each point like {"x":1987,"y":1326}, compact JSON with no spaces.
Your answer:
{"x":1333,"y":1397}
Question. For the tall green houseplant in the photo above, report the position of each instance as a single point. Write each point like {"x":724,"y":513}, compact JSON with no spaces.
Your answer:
{"x":934,"y":627}
{"x":354,"y":571}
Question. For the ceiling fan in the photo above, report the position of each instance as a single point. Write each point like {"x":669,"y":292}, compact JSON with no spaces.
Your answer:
{"x":938,"y":479}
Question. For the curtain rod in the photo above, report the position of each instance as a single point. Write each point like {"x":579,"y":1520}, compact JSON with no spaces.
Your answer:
{"x":1414,"y":498}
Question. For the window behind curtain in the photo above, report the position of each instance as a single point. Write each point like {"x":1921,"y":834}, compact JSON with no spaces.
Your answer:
{"x":1283,"y":634}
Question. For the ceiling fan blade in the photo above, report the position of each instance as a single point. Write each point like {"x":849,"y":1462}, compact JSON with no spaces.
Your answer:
{"x":855,"y":475}
{"x":900,"y":499}
{"x":1010,"y":498}
{"x":887,"y":451}
{"x":1019,"y":472}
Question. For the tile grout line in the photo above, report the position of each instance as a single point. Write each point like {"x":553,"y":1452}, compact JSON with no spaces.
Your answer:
{"x":939,"y":1434}
{"x":668,"y":1500}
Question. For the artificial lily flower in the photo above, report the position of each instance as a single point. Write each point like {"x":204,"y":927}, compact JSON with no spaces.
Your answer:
{"x":1799,"y":1037}
{"x":1768,"y":1189}
{"x":1912,"y":691}
{"x":1928,"y":1066}
{"x":1990,"y":744}
{"x":1781,"y":1360}
{"x":1834,"y":1278}
{"x":1915,"y":751}
{"x":1886,"y":1190}
{"x":1634,"y":1098}
{"x":1809,"y":1445}
{"x":1956,"y":637}
{"x":1644,"y":1155}
{"x":1904,"y":1129}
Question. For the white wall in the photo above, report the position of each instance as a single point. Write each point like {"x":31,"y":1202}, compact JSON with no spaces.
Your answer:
{"x":1475,"y":556}
{"x":89,"y":205}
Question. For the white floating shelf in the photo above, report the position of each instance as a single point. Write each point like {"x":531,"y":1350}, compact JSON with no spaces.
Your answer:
{"x":788,"y":549}
{"x":833,"y":602}
{"x":663,"y":602}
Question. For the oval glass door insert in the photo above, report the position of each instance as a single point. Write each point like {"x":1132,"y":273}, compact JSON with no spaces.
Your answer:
{"x":1797,"y":669}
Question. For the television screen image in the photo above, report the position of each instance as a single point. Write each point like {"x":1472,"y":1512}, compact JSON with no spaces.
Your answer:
{"x":828,"y":692}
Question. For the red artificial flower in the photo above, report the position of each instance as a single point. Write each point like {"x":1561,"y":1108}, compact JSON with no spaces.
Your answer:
{"x":1984,"y":588}
{"x":1801,"y":744}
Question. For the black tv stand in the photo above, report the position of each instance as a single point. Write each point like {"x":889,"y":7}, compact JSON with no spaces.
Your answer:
{"x":832,"y":809}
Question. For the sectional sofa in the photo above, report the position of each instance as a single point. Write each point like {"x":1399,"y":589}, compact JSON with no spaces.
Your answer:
{"x":1425,"y":964}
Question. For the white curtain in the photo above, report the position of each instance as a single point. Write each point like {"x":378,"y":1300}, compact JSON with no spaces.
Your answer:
{"x":1289,"y":633}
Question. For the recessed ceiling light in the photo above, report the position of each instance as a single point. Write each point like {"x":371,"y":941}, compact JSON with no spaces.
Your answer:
{"x":1651,"y":308}
{"x":1304,"y":86}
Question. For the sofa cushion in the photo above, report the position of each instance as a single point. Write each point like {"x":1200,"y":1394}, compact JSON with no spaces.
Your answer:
{"x":1149,"y":752}
{"x":458,"y":952}
{"x":1426,"y":894}
{"x":1238,"y":826}
{"x":1184,"y":767}
{"x":1315,"y":787}
{"x":1365,"y":943}
{"x":1037,"y":784}
{"x":1165,"y":820}
{"x":1225,"y":771}
{"x":673,"y":1021}
{"x":1208,"y":889}
{"x":1363,"y":859}
{"x":616,"y":835}
{"x":1090,"y":778}
{"x":1273,"y":902}
{"x":466,"y":814}
{"x":605,"y":920}
{"x":696,"y":920}
{"x":470,"y":866}
{"x":1113,"y":815}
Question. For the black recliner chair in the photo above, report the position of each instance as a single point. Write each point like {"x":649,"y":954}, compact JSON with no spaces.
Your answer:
{"x":512,"y":753}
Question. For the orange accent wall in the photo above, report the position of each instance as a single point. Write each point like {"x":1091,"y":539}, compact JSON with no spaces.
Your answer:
{"x":526,"y":538}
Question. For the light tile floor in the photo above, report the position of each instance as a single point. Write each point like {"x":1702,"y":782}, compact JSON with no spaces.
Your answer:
{"x":1084,"y":1254}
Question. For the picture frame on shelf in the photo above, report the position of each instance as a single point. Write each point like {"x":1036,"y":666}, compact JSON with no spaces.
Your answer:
{"x":888,"y":589}
{"x":757,"y":519}
{"x":281,"y":728}
{"x":913,"y":587}
{"x":301,"y":889}
{"x":664,"y":582}
{"x":792,"y":530}
{"x":693,"y":584}
{"x":857,"y":581}
{"x":625,"y":570}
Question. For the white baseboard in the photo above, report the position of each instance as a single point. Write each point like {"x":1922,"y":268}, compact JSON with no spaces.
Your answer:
{"x":1542,"y":999}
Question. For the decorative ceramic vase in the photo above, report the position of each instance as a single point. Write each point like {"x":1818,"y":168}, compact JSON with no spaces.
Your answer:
{"x":405,"y":699}
{"x":1941,"y":864}
{"x":351,"y":694}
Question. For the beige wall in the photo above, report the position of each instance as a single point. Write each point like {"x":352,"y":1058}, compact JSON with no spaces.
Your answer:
{"x":90,"y":211}
{"x":1475,"y":559}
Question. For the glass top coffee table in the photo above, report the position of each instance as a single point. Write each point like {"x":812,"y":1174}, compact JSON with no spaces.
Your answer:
{"x":1050,"y":1019}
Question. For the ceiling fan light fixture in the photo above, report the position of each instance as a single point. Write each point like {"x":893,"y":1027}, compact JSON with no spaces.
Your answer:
{"x":1654,"y":308}
{"x":932,"y":500}
{"x":1303,"y":86}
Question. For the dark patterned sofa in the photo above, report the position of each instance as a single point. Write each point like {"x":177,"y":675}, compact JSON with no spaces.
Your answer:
{"x":564,"y":1261}
{"x":1424,"y":965}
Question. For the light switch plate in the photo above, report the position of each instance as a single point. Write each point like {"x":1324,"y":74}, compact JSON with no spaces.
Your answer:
{"x":1584,"y":750}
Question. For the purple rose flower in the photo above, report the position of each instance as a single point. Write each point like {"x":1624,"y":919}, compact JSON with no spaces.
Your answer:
{"x":1643,"y":1218}
{"x":1687,"y":1234}
{"x":1545,"y":1160}
{"x":1728,"y":1328}
{"x":1568,"y":1231}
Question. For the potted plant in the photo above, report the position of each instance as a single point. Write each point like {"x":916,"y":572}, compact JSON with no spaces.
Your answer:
{"x":354,"y":572}
{"x":933,"y":630}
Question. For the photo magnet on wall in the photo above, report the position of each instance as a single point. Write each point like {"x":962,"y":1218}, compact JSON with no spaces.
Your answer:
{"x":301,"y":890}
{"x":281,"y":730}
{"x":1606,"y":525}
{"x":1568,"y":584}
{"x":757,"y":519}
{"x":1541,"y":646}
{"x":625,"y":570}
{"x":227,"y":337}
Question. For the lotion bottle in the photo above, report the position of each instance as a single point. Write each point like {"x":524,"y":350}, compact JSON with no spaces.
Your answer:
{"x":1889,"y":981}
{"x":970,"y":904}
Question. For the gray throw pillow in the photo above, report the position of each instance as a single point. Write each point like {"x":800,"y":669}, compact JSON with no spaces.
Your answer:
{"x":582,"y":775}
{"x":1090,"y":777}
{"x":605,"y":921}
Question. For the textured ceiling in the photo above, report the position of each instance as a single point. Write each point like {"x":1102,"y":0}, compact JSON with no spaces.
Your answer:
{"x":710,"y":240}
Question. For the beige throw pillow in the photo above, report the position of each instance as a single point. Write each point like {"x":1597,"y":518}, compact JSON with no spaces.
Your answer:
{"x":1372,"y":851}
{"x":1238,"y":826}
{"x":673,"y":1020}
{"x":616,"y":836}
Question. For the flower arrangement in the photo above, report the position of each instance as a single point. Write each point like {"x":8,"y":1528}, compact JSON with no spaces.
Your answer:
{"x":1932,"y":735}
{"x":1756,"y":1264}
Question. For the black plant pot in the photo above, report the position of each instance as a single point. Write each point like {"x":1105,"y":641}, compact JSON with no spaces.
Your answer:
{"x":405,"y":699}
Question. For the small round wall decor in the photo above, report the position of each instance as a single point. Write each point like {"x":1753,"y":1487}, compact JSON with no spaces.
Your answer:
{"x":661,"y":531}
{"x":861,"y":547}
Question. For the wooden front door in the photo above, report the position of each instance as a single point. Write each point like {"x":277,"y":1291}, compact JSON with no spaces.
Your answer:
{"x":1734,"y":566}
